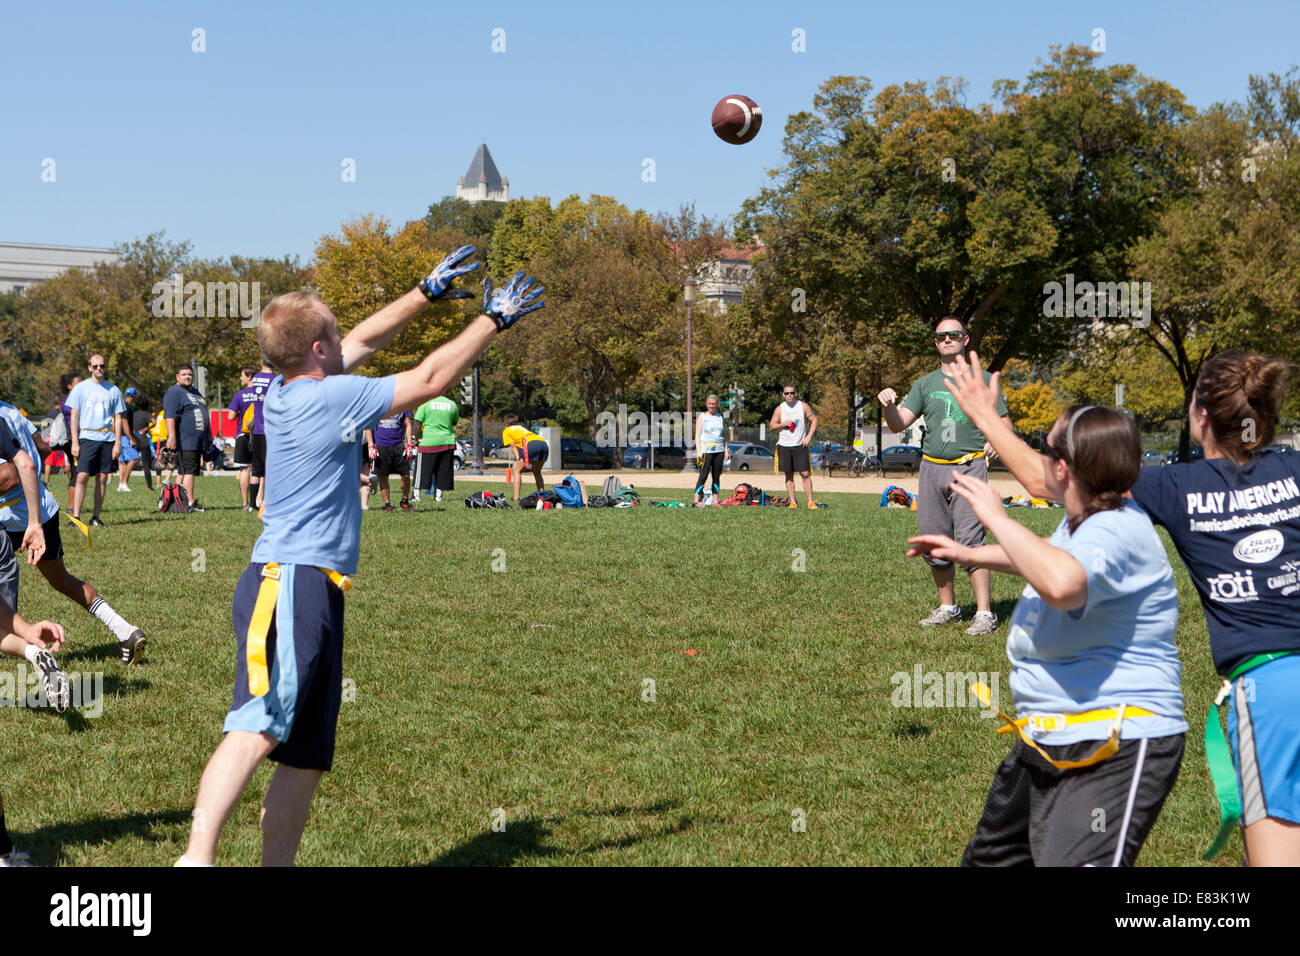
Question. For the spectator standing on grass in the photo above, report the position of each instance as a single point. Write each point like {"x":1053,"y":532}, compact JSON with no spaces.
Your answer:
{"x":437,"y":420}
{"x":61,"y":434}
{"x":187,"y":428}
{"x":390,"y":446}
{"x":141,"y":434}
{"x":96,"y":428}
{"x":130,"y":453}
{"x":796,"y":424}
{"x":711,"y":449}
{"x":952,"y":446}
{"x":241,"y":411}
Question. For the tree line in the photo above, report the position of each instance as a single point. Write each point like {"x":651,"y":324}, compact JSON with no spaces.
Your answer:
{"x":1090,"y":226}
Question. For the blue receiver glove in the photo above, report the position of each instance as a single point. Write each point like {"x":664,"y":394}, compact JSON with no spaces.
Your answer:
{"x":507,"y":305}
{"x":437,"y":286}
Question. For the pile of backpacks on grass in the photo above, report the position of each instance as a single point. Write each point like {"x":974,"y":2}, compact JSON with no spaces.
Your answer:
{"x":569,"y":493}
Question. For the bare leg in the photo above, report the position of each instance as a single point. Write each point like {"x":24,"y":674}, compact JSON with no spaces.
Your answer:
{"x":243,"y":487}
{"x":406,"y":485}
{"x":979,"y":582}
{"x":101,"y":482}
{"x":943,"y":578}
{"x":807,"y":487}
{"x":76,"y":591}
{"x":284,"y":813}
{"x":517,"y":475}
{"x":79,"y":492}
{"x":789,"y":485}
{"x":384,"y":491}
{"x":228,"y":771}
{"x":187,"y":482}
{"x":537,"y":475}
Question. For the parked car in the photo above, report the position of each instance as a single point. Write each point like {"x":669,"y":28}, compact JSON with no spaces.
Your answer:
{"x":1152,"y":457}
{"x":750,"y":456}
{"x":900,"y":457}
{"x":464,"y":452}
{"x":665,"y":456}
{"x":1194,"y":453}
{"x":582,"y":453}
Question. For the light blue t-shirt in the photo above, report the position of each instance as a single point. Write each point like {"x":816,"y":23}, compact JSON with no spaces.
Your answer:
{"x":313,"y":464}
{"x":14,"y":517}
{"x":710,"y":433}
{"x":96,"y":405}
{"x":1118,"y":648}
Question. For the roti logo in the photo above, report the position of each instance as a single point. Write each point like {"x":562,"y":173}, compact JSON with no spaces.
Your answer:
{"x":1233,"y":588}
{"x":1259,"y":548}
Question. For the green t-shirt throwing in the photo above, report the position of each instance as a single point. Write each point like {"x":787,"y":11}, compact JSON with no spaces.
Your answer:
{"x":949,"y":434}
{"x":437,"y":415}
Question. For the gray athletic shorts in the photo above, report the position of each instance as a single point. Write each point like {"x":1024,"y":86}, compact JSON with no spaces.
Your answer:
{"x":941,"y":511}
{"x":8,"y":574}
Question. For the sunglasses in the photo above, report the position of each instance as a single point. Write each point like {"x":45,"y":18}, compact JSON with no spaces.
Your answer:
{"x":1046,"y":448}
{"x":99,"y":365}
{"x":950,"y":336}
{"x":787,"y":393}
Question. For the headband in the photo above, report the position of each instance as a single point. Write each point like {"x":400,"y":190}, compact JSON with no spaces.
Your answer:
{"x":1069,"y":429}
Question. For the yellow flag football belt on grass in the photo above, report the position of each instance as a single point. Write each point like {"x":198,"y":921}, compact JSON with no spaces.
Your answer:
{"x":259,"y":678}
{"x":1051,"y":723}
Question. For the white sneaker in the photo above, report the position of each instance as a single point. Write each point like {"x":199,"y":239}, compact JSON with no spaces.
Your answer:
{"x":14,"y":858}
{"x":941,"y":615}
{"x":984,"y":622}
{"x":123,"y":488}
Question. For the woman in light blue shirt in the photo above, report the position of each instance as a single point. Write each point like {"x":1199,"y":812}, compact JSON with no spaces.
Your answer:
{"x":711,"y":449}
{"x":1095,"y":671}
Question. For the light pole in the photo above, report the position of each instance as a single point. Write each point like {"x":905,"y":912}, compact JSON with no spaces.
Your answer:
{"x":689,"y":295}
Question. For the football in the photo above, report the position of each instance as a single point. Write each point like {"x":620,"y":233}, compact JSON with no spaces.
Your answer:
{"x":737,"y":119}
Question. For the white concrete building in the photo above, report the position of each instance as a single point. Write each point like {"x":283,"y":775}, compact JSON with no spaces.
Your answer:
{"x":482,"y":182}
{"x":723,"y":280}
{"x":26,"y":264}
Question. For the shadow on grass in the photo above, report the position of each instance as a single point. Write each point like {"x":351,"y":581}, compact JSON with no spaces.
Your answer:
{"x":912,"y":730}
{"x":46,"y":844}
{"x":526,"y":839}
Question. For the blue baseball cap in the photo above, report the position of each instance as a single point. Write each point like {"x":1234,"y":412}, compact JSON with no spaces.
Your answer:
{"x":130,"y":390}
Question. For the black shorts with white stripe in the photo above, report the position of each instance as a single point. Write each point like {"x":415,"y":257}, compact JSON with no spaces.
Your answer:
{"x":1037,"y":815}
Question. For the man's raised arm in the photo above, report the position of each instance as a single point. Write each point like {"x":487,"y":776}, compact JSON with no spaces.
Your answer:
{"x":450,"y":361}
{"x":382,"y":327}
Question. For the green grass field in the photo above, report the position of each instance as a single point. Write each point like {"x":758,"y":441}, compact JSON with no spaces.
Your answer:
{"x":523,"y":690}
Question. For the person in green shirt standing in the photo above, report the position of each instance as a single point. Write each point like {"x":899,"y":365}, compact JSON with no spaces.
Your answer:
{"x":437,"y":418}
{"x":952,"y":445}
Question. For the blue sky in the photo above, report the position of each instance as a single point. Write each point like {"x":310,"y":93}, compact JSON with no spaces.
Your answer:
{"x":239,"y":149}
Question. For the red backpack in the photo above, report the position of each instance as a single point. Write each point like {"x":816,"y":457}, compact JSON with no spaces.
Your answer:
{"x":173,"y":499}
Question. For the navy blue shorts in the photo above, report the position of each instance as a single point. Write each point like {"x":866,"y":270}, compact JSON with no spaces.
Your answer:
{"x":537,"y":452}
{"x":304,"y":656}
{"x":96,"y":458}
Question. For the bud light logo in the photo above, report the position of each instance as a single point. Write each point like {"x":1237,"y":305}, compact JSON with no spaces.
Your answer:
{"x":1259,"y":548}
{"x":1233,"y":588}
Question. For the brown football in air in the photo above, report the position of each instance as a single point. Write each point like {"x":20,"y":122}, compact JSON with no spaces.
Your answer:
{"x":737,"y":119}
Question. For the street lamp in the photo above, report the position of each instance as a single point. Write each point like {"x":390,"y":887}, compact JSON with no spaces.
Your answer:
{"x":689,"y":295}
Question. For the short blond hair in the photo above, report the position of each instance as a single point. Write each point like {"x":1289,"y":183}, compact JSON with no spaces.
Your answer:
{"x":289,"y":325}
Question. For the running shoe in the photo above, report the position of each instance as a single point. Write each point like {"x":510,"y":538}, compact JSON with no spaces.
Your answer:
{"x":984,"y":622}
{"x":941,"y":615}
{"x":56,"y":685}
{"x":132,"y":648}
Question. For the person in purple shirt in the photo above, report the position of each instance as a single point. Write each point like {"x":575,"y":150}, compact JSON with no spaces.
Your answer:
{"x":241,"y":411}
{"x":68,"y":381}
{"x":390,"y":452}
{"x":257,"y":442}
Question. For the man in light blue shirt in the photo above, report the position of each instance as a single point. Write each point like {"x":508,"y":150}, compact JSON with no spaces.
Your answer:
{"x":288,"y":605}
{"x":96,"y":429}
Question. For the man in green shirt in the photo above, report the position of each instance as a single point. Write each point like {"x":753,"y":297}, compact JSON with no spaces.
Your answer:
{"x":952,"y":445}
{"x":436,"y":419}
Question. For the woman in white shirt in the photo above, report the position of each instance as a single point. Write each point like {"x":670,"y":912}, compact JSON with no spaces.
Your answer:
{"x":711,"y":449}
